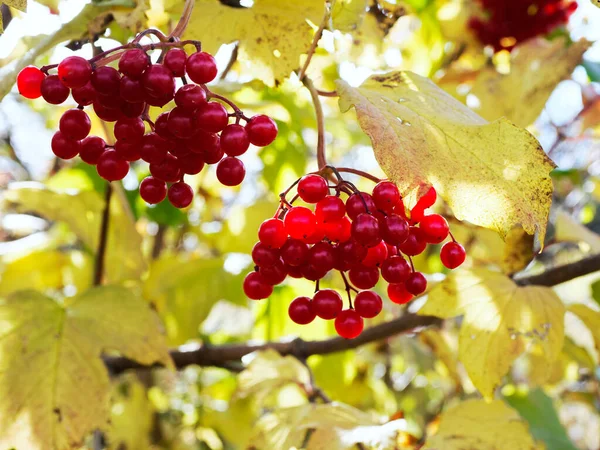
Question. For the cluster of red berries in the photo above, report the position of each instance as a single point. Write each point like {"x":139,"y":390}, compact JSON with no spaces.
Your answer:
{"x":367,"y":236}
{"x":181,"y":141}
{"x":508,"y":22}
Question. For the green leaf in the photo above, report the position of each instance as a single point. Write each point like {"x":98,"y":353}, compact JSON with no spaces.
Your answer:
{"x":593,"y":69}
{"x":53,"y":382}
{"x":423,"y":136}
{"x":538,"y":410}
{"x":595,"y":287}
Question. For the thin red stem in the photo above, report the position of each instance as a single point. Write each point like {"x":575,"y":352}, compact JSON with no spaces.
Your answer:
{"x":360,"y":173}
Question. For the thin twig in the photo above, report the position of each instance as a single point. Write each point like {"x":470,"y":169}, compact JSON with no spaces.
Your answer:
{"x":104,"y":224}
{"x":359,"y":173}
{"x":159,"y":241}
{"x":315,"y":42}
{"x":327,"y":93}
{"x":321,"y":158}
{"x":183,"y":20}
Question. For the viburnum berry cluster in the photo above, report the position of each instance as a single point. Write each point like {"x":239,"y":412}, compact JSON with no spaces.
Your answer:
{"x":365,"y":237}
{"x":508,"y":22}
{"x":182,"y":140}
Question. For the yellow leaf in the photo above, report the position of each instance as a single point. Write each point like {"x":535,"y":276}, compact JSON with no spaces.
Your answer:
{"x":272,"y":35}
{"x":348,"y":15}
{"x":495,"y":175}
{"x":475,"y":424}
{"x":82,"y":212}
{"x":54,"y":385}
{"x":536,"y":68}
{"x":591,"y":319}
{"x":570,"y":230}
{"x":436,"y":340}
{"x":37,"y":270}
{"x":518,"y":251}
{"x":21,"y":5}
{"x":500,"y":319}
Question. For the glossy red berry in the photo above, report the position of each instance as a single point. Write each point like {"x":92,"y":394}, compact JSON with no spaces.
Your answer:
{"x":231,"y":171}
{"x":74,"y":71}
{"x":415,"y":243}
{"x":84,"y":95}
{"x":263,"y":255}
{"x":132,"y":90}
{"x":368,"y":304}
{"x":317,"y":235}
{"x":327,"y":304}
{"x":349,"y":324}
{"x":167,"y":170}
{"x":181,"y":123}
{"x":180,"y":194}
{"x":394,"y":229}
{"x":312,"y":188}
{"x":191,"y":163}
{"x":301,"y":310}
{"x":364,"y":277}
{"x":322,"y":256}
{"x":386,"y":196}
{"x":190,"y":97}
{"x":262,"y":130}
{"x":294,"y":252}
{"x":175,"y":60}
{"x":153,"y":148}
{"x":338,"y":230}
{"x":64,"y":147}
{"x":212,"y":117}
{"x":272,"y":233}
{"x":53,"y":91}
{"x":92,"y":148}
{"x":435,"y":228}
{"x":416,"y":283}
{"x":452,"y":255}
{"x":201,"y":67}
{"x":398,"y":294}
{"x":132,"y":109}
{"x":330,"y":208}
{"x":75,"y":124}
{"x":29,"y":82}
{"x":349,"y":254}
{"x":111,"y":166}
{"x":312,"y":272}
{"x":256,"y":287}
{"x":359,"y":203}
{"x":129,"y":151}
{"x":365,"y":230}
{"x":376,"y":255}
{"x":107,"y":114}
{"x":133,"y":63}
{"x":153,"y":190}
{"x":158,"y":82}
{"x":274,"y":274}
{"x":106,"y":80}
{"x":234,"y":140}
{"x":300,"y":222}
{"x":395,"y":269}
{"x":129,"y":129}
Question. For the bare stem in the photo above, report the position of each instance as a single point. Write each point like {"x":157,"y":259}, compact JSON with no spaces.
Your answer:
{"x":104,"y":223}
{"x":359,"y":173}
{"x":315,"y":42}
{"x":183,"y":20}
{"x":321,"y":158}
{"x":327,"y":93}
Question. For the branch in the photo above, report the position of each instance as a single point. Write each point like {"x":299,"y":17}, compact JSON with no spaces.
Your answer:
{"x":315,"y":42}
{"x":321,"y":159}
{"x":183,"y":20}
{"x":226,"y":355}
{"x":101,"y":252}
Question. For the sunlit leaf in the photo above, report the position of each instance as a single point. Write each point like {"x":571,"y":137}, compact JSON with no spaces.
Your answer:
{"x":536,"y":68}
{"x":54,"y":385}
{"x":591,"y":318}
{"x":347,"y":15}
{"x":495,"y":175}
{"x":271,"y":35}
{"x":37,"y":270}
{"x":567,"y":229}
{"x":500,"y":320}
{"x":476,"y":424}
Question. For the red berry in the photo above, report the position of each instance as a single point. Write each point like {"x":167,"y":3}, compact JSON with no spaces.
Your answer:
{"x":312,"y":272}
{"x":161,"y":126}
{"x":131,"y":90}
{"x":415,"y":243}
{"x":394,"y":229}
{"x":375,"y":255}
{"x":330,"y":208}
{"x":132,"y":109}
{"x":263,"y":255}
{"x":133,"y":63}
{"x":175,"y":60}
{"x":294,"y":252}
{"x":74,"y":71}
{"x":349,"y":324}
{"x":75,"y":124}
{"x":53,"y":91}
{"x":349,"y":253}
{"x":29,"y":82}
{"x":129,"y":129}
{"x":234,"y":140}
{"x":327,"y":304}
{"x":294,"y":271}
{"x":153,"y":149}
{"x":231,"y":171}
{"x":181,"y":123}
{"x":92,"y":148}
{"x":180,"y":194}
{"x":191,"y":163}
{"x":317,"y":235}
{"x":398,"y":294}
{"x":395,"y":269}
{"x":416,"y":283}
{"x":272,"y":233}
{"x":256,"y":287}
{"x":158,"y":82}
{"x":385,"y":196}
{"x":312,"y":188}
{"x":339,"y":230}
{"x":368,"y":304}
{"x":84,"y":95}
{"x":106,"y":80}
{"x":167,"y":170}
{"x":358,"y":204}
{"x":301,"y":311}
{"x":321,"y":255}
{"x":190,"y":97}
{"x":212,"y":117}
{"x":107,"y":114}
{"x":364,"y":277}
{"x":64,"y":147}
{"x":274,"y":274}
{"x":262,"y":130}
{"x":129,"y":151}
{"x":452,"y":255}
{"x":300,"y":222}
{"x":109,"y":101}
{"x":153,"y":190}
{"x":427,"y":200}
{"x":111,"y":167}
{"x":365,"y":230}
{"x":435,"y":228}
{"x":201,"y":67}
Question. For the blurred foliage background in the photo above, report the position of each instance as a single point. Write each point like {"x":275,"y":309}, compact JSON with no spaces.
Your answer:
{"x":189,"y":264}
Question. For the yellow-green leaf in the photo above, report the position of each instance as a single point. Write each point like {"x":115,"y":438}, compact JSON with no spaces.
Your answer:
{"x":272,"y":35}
{"x":476,"y":424}
{"x":500,"y":319}
{"x":54,"y":385}
{"x":495,"y":175}
{"x":536,"y":68}
{"x":591,"y":319}
{"x":347,"y":15}
{"x":82,"y":212}
{"x":21,"y":5}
